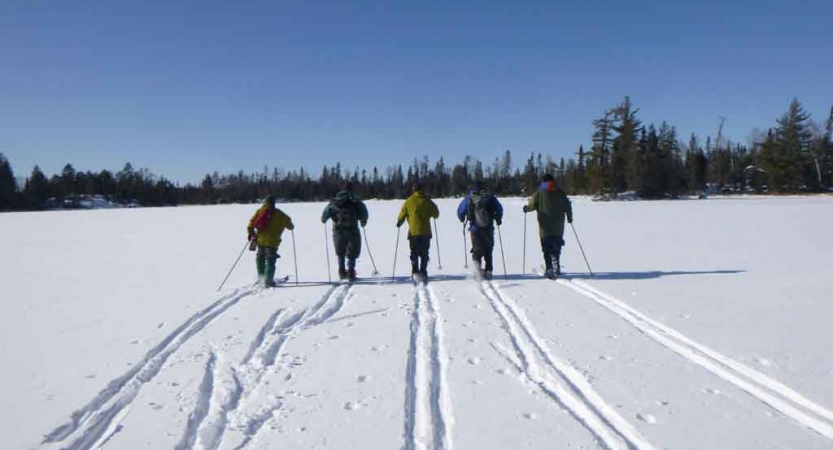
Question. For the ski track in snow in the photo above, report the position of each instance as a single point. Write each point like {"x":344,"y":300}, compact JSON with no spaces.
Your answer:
{"x":96,"y":422}
{"x":229,"y":398}
{"x":770,"y":391}
{"x":428,"y":414}
{"x":559,"y":380}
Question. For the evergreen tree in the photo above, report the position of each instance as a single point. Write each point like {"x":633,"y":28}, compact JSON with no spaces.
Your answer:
{"x":37,"y":190}
{"x":598,"y":171}
{"x":786,"y":160}
{"x":625,"y":156}
{"x":8,"y":185}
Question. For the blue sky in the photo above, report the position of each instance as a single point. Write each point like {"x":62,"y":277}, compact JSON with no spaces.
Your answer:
{"x":187,"y":88}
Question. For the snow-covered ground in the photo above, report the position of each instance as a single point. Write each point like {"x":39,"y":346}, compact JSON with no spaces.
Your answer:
{"x":705,"y":327}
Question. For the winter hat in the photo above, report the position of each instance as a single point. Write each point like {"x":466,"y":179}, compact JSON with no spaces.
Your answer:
{"x":269,"y":200}
{"x":478,"y":186}
{"x":547,"y":178}
{"x":417,"y":186}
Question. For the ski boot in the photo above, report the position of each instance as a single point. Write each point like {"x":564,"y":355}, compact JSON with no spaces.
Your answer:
{"x":342,"y":273}
{"x":351,"y":275}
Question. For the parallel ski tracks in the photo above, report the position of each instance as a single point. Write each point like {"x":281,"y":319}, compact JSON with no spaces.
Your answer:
{"x":428,"y":414}
{"x":93,"y":424}
{"x":223,"y":405}
{"x":559,"y":380}
{"x":768,"y":390}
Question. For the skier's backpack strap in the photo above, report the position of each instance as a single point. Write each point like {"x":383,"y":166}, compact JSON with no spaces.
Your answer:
{"x":345,"y":212}
{"x":263,"y":219}
{"x":480,"y":212}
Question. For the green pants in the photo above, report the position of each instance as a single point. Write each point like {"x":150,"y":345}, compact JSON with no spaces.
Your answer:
{"x":266,"y":257}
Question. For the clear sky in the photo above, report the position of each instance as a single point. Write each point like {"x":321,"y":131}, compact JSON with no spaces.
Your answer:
{"x":187,"y":88}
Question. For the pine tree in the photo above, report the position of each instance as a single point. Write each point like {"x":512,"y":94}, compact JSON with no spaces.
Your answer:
{"x":8,"y":185}
{"x":598,"y":171}
{"x":625,"y":156}
{"x":36,"y":190}
{"x":786,"y":160}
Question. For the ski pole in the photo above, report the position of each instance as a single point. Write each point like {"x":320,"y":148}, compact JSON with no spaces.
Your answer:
{"x":295,"y":256}
{"x":582,"y":249}
{"x":439,"y":259}
{"x":523,"y":271}
{"x":502,"y":255}
{"x":367,"y":244}
{"x":327,"y":251}
{"x":395,"y":251}
{"x":465,"y":252}
{"x":234,"y":265}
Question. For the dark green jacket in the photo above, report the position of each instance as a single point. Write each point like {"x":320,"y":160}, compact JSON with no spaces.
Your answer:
{"x":552,"y":205}
{"x":330,"y":209}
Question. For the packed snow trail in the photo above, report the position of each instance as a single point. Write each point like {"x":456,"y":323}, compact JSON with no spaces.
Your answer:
{"x":559,"y":380}
{"x":234,"y":387}
{"x":773,"y":393}
{"x":428,"y":414}
{"x":93,"y":423}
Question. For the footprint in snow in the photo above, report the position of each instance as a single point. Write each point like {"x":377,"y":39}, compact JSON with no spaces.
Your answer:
{"x":362,"y":378}
{"x":474,"y":361}
{"x":530,"y":416}
{"x":763,"y":361}
{"x":606,"y":358}
{"x":90,"y":377}
{"x":136,"y":341}
{"x":711,"y":391}
{"x":334,"y":337}
{"x":352,"y":406}
{"x":647,"y":418}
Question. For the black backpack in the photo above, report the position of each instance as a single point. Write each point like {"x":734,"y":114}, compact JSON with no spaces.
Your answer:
{"x":480,"y":212}
{"x":345,"y":212}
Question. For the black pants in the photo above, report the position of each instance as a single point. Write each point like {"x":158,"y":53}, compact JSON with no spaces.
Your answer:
{"x":419,"y":253}
{"x":482,"y":245}
{"x":348,"y":244}
{"x":551,"y":247}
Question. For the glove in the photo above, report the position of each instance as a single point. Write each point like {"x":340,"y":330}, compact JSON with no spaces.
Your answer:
{"x":251,"y":233}
{"x":364,"y":223}
{"x":399,"y":224}
{"x":526,"y":209}
{"x":499,"y":222}
{"x":570,"y":219}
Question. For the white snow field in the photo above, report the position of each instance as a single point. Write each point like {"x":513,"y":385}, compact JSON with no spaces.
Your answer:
{"x":706,"y":326}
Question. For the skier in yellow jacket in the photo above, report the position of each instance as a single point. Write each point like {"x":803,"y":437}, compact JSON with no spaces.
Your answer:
{"x":418,"y":210}
{"x":265,"y":228}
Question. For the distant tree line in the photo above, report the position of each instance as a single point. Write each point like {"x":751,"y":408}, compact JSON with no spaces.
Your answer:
{"x":650,"y":161}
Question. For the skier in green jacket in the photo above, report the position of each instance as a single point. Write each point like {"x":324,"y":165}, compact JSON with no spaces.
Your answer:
{"x":552,"y":206}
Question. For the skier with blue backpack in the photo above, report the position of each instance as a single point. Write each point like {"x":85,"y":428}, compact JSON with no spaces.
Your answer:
{"x":482,"y":210}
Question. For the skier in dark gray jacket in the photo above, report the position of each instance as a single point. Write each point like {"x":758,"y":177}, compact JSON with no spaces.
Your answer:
{"x":347,"y":211}
{"x":482,"y":210}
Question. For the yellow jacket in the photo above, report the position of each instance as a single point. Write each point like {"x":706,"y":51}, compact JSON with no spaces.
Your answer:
{"x":270,"y":236}
{"x":418,"y":211}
